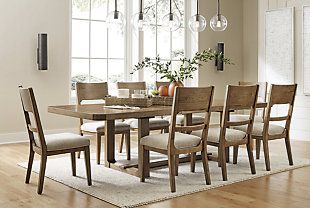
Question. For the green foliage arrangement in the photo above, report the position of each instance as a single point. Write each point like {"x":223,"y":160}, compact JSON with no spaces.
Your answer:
{"x":187,"y":68}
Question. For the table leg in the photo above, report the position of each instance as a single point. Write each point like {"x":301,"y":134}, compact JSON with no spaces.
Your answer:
{"x":143,"y":130}
{"x":109,"y":143}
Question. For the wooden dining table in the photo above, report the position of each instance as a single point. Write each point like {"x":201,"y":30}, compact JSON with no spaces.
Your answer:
{"x":98,"y":112}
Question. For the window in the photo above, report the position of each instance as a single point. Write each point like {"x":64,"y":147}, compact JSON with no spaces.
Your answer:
{"x":101,"y":54}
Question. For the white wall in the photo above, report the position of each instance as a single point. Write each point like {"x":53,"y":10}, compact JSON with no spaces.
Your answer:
{"x":301,"y":116}
{"x":233,"y":39}
{"x":20,"y":22}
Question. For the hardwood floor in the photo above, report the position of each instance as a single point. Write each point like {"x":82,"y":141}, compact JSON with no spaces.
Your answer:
{"x":287,"y":189}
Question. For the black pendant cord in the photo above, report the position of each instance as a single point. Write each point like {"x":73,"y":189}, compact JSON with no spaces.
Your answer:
{"x":197,"y":15}
{"x":170,"y":7}
{"x":218,"y":8}
{"x":115,"y":3}
{"x":141,"y":10}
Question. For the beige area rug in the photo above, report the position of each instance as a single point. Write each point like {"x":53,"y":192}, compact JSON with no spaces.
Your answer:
{"x":124,"y":190}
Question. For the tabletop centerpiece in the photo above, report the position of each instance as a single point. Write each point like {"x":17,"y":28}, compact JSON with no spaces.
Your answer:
{"x":187,"y":67}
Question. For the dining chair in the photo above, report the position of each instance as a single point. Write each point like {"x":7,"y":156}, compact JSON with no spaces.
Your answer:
{"x":237,"y":98}
{"x":52,"y":144}
{"x":186,"y":100}
{"x":262,"y":96}
{"x":99,"y":91}
{"x":196,"y":119}
{"x":155,"y":123}
{"x":279,"y":95}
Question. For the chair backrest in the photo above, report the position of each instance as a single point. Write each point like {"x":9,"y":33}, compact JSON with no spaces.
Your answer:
{"x":91,"y":91}
{"x":30,"y":107}
{"x":239,"y":98}
{"x":131,"y":86}
{"x":191,"y":100}
{"x":262,"y":91}
{"x":158,"y":84}
{"x":280,"y":94}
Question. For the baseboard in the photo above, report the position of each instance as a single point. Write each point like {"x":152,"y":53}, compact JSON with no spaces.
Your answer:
{"x":20,"y":137}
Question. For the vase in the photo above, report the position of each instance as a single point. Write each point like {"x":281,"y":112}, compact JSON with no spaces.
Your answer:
{"x":172,"y":87}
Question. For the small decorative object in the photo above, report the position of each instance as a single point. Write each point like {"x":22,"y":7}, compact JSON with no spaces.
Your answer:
{"x":123,"y":93}
{"x":155,"y":93}
{"x":187,"y":68}
{"x":115,"y":19}
{"x":197,"y":23}
{"x":218,"y":21}
{"x":163,"y":90}
{"x":139,"y":94}
{"x":171,"y":21}
{"x":138,"y":20}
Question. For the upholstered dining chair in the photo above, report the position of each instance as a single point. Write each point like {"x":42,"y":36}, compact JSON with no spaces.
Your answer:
{"x":186,"y":100}
{"x":155,"y":123}
{"x":52,"y":144}
{"x":262,"y":97}
{"x":99,"y":91}
{"x":196,"y":119}
{"x":237,"y":98}
{"x":266,"y":131}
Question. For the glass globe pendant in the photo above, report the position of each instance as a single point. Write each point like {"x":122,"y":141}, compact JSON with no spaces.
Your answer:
{"x":197,"y":23}
{"x":138,"y":19}
{"x":218,"y":21}
{"x":115,"y":19}
{"x":171,"y":21}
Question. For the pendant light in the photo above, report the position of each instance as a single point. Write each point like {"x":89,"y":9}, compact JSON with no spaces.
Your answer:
{"x":218,"y":21}
{"x":115,"y":19}
{"x":171,"y":21}
{"x":197,"y":23}
{"x":138,"y":20}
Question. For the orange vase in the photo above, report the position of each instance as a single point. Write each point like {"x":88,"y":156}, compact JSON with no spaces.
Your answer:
{"x":172,"y":87}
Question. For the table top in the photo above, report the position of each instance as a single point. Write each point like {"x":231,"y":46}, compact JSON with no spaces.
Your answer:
{"x":98,"y":112}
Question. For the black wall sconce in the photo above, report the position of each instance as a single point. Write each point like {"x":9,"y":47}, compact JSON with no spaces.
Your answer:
{"x":42,"y":51}
{"x":218,"y":63}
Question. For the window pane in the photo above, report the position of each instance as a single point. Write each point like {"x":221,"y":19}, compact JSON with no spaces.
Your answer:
{"x":150,"y":11}
{"x":162,"y":10}
{"x":115,"y":74}
{"x":98,"y":70}
{"x":149,"y":78}
{"x":80,"y":38}
{"x":178,"y":43}
{"x":178,"y":9}
{"x":150,"y":43}
{"x":80,"y":9}
{"x":116,"y":44}
{"x":98,"y":40}
{"x":79,"y":72}
{"x":99,"y":9}
{"x":163,"y":43}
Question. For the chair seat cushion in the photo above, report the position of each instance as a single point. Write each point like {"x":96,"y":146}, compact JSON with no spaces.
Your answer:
{"x":155,"y":123}
{"x":180,"y":119}
{"x":99,"y":126}
{"x":160,"y":141}
{"x":240,"y":117}
{"x":258,"y":129}
{"x":64,"y":141}
{"x":232,"y":135}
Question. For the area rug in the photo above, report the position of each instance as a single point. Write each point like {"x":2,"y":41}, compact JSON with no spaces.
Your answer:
{"x":124,"y":190}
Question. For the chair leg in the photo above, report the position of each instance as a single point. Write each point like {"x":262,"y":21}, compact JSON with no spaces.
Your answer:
{"x":289,"y":150}
{"x":176,"y":165}
{"x":258,"y":142}
{"x":79,"y":154}
{"x":235,"y":157}
{"x":42,"y":174}
{"x":98,"y":148}
{"x":127,"y":135}
{"x":266,"y":154}
{"x":73,"y":163}
{"x":120,"y":150}
{"x":205,"y":163}
{"x":171,"y":163}
{"x":251,"y":158}
{"x":219,"y":153}
{"x":30,"y":162}
{"x":193,"y":161}
{"x":223,"y":163}
{"x":142,"y":163}
{"x":227,"y":154}
{"x":87,"y":165}
{"x":166,"y":130}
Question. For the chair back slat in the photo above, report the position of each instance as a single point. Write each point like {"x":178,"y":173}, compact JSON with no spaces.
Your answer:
{"x":282,"y":94}
{"x":131,"y":86}
{"x":91,"y":91}
{"x":262,"y":91}
{"x":241,"y":97}
{"x":158,"y":84}
{"x":30,"y":106}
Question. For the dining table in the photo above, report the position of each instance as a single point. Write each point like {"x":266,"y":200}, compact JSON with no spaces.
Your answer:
{"x":100,"y":112}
